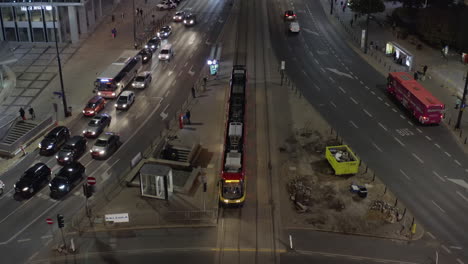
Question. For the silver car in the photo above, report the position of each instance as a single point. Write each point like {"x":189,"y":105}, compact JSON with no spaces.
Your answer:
{"x":97,"y":125}
{"x":105,"y":146}
{"x":142,"y":80}
{"x":125,"y":100}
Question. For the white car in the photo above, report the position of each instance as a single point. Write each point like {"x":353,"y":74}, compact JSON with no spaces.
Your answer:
{"x":142,"y":80}
{"x":294,"y":27}
{"x":125,"y":100}
{"x":166,"y":52}
{"x":165,"y":5}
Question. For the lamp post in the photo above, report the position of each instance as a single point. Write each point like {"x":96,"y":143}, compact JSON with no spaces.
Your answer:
{"x":64,"y":98}
{"x":462,"y":107}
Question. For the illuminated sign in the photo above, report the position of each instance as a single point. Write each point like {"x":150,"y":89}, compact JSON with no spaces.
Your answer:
{"x":24,"y":8}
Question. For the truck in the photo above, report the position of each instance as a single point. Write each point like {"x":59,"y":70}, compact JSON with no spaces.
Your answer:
{"x":342,"y":159}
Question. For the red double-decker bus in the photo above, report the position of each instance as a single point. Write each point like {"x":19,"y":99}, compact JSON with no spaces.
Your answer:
{"x":232,"y":187}
{"x":426,"y":108}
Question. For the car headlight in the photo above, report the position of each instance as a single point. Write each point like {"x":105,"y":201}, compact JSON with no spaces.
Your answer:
{"x":84,"y":131}
{"x":84,"y":111}
{"x":153,"y":46}
{"x":113,"y":94}
{"x":159,"y":34}
{"x":93,"y":133}
{"x":191,"y":21}
{"x":174,"y":18}
{"x":185,"y":21}
{"x":145,"y":58}
{"x":92,"y":111}
{"x":146,"y":46}
{"x":50,"y":146}
{"x":124,"y":105}
{"x":66,"y":158}
{"x":25,"y":189}
{"x":56,"y":156}
{"x":226,"y":200}
{"x":14,"y":185}
{"x":99,"y":93}
{"x":102,"y":152}
{"x":50,"y":184}
{"x":90,"y":151}
{"x":40,"y":145}
{"x":116,"y":104}
{"x":61,"y":187}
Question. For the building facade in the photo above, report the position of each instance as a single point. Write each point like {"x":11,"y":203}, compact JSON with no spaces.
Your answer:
{"x":33,"y":20}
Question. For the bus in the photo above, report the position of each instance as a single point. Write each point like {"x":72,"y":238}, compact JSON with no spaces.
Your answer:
{"x":232,"y":187}
{"x":424,"y":107}
{"x":118,"y":75}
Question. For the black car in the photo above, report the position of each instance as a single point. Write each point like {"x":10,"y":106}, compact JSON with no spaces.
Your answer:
{"x":33,"y":179}
{"x":72,"y":150}
{"x":153,"y":44}
{"x":67,"y":177}
{"x":54,"y":140}
{"x":190,"y":20}
{"x":164,"y":32}
{"x":146,"y":55}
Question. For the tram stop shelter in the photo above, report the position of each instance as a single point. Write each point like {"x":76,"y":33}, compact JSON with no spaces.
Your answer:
{"x":400,"y":54}
{"x":156,"y":181}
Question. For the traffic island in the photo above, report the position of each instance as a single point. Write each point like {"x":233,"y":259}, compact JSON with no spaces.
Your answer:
{"x":327,"y":188}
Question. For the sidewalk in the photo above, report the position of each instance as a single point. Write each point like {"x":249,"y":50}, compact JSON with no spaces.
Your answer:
{"x":444,"y":77}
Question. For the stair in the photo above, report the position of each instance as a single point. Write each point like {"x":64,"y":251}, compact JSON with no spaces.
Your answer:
{"x":19,"y":129}
{"x":182,"y":154}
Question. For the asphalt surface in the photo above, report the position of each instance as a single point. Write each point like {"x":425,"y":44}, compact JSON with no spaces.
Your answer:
{"x":416,"y":162}
{"x":23,"y":224}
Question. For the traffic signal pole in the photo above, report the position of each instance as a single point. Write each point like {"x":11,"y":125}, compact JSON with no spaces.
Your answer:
{"x":463,"y":104}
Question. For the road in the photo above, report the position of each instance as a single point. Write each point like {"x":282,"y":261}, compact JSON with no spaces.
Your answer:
{"x":418,"y":163}
{"x":23,"y":229}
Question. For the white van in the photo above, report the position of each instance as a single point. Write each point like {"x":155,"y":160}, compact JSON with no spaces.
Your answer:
{"x":294,"y":27}
{"x":166,"y":52}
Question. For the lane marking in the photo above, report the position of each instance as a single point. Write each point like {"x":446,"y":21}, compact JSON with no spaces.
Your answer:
{"x":446,"y":249}
{"x":382,"y":126}
{"x":361,"y":82}
{"x":331,"y":79}
{"x":418,"y":158}
{"x":459,"y":261}
{"x":402,"y":116}
{"x":341,"y":88}
{"x":457,"y":162}
{"x":437,"y":145}
{"x":440,"y":177}
{"x":387,"y":104}
{"x":419,"y":130}
{"x":440,"y":208}
{"x":372,"y":92}
{"x":462,"y":196}
{"x":316,"y":87}
{"x":431,"y":235}
{"x":410,"y":123}
{"x":401,"y":143}
{"x":46,"y":236}
{"x":380,"y":98}
{"x":394,"y":110}
{"x":352,"y":99}
{"x":169,"y":73}
{"x":367,"y":87}
{"x":352,"y":123}
{"x":333,"y":104}
{"x":23,"y":240}
{"x":402,"y":172}
{"x":377,"y":147}
{"x":186,"y":64}
{"x":316,"y":61}
{"x":448,"y":154}
{"x":428,"y":138}
{"x":365,"y":111}
{"x":455,"y":247}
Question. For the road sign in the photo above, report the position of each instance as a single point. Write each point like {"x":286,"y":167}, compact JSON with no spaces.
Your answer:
{"x":91,"y":180}
{"x":49,"y":221}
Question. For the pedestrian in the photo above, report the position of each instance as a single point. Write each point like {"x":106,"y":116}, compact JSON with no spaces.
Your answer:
{"x":341,"y":3}
{"x":135,"y":45}
{"x":457,"y":103}
{"x":22,"y":113}
{"x":113,"y":18}
{"x":187,"y":115}
{"x":424,"y":70}
{"x":416,"y":75}
{"x":204,"y":81}
{"x":193,"y":91}
{"x":141,"y":12}
{"x":31,"y":112}
{"x":123,"y":15}
{"x":137,"y":11}
{"x":114,"y":33}
{"x":351,"y":22}
{"x":355,"y":16}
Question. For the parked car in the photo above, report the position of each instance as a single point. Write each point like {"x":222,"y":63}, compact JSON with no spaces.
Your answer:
{"x":142,"y":80}
{"x":33,"y":180}
{"x":54,"y":140}
{"x":105,"y":146}
{"x":190,"y":20}
{"x":146,"y":55}
{"x":179,"y":16}
{"x":72,"y":150}
{"x":164,"y":32}
{"x":67,"y":178}
{"x":166,"y":5}
{"x":94,"y":106}
{"x":96,"y":125}
{"x":153,"y":44}
{"x":125,"y":100}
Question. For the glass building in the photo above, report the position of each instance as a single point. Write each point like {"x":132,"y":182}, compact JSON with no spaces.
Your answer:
{"x":32,"y":20}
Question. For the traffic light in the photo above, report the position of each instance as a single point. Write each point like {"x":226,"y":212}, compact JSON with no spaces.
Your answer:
{"x":60,"y":221}
{"x":87,"y":190}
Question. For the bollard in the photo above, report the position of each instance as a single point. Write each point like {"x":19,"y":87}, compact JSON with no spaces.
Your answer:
{"x":396,"y":202}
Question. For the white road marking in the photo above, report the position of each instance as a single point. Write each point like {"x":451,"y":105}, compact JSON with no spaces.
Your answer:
{"x":401,"y":143}
{"x":365,"y":111}
{"x":419,"y":130}
{"x":372,"y":92}
{"x":77,"y":193}
{"x":180,"y":73}
{"x":46,"y":236}
{"x":352,"y":99}
{"x":367,"y":87}
{"x":431,"y":235}
{"x":380,"y":98}
{"x":440,"y":208}
{"x":316,"y":87}
{"x":457,"y":162}
{"x":402,"y":116}
{"x":462,"y":196}
{"x":304,"y":72}
{"x":455,"y":247}
{"x":448,"y":154}
{"x":341,"y":88}
{"x":86,"y":165}
{"x":352,"y":123}
{"x":331,"y":79}
{"x":402,"y":172}
{"x":440,"y":177}
{"x":394,"y":110}
{"x":169,"y":73}
{"x":446,"y":249}
{"x":186,"y":64}
{"x":322,"y":69}
{"x":428,"y":138}
{"x":459,"y":261}
{"x":333,"y":104}
{"x":339,"y":72}
{"x":316,"y":61}
{"x":387,"y":104}
{"x":418,"y":158}
{"x":167,"y":93}
{"x":377,"y":147}
{"x":437,"y":145}
{"x":361,"y":82}
{"x":409,"y":122}
{"x":23,"y":240}
{"x":382,"y":126}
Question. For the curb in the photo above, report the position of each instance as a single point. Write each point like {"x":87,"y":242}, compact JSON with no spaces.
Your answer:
{"x":99,"y":230}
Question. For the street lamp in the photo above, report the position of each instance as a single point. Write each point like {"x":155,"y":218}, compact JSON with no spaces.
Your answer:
{"x":64,"y":98}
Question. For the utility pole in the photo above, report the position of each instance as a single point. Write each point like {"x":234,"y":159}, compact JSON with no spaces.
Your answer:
{"x":366,"y":35}
{"x":463,"y":104}
{"x":64,"y":98}
{"x":134,"y":23}
{"x":331,"y":7}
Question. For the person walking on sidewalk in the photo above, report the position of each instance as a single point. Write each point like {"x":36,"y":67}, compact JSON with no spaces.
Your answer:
{"x":114,"y":33}
{"x":31,"y":112}
{"x":22,"y":113}
{"x":204,"y":82}
{"x":187,"y":115}
{"x":416,"y":75}
{"x":457,"y":103}
{"x":123,"y":15}
{"x":424,"y":70}
{"x":193,"y":91}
